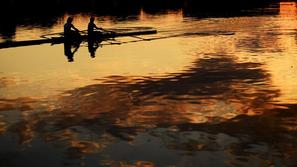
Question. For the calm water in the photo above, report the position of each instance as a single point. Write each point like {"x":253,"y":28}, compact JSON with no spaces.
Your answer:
{"x":211,"y":92}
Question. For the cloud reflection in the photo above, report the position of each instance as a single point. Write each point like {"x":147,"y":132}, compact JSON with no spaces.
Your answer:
{"x":218,"y":105}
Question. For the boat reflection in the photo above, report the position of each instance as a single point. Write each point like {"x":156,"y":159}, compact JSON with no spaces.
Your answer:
{"x":93,"y":46}
{"x":70,"y":48}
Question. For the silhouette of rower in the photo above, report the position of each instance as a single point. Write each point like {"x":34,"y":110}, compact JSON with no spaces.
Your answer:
{"x":94,"y":37}
{"x":71,"y":32}
{"x":92,"y":34}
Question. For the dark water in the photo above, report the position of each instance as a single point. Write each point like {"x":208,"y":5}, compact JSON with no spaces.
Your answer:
{"x":212,"y":91}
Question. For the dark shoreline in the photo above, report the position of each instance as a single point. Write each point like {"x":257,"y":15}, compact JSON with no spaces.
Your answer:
{"x":111,"y":6}
{"x":45,"y":13}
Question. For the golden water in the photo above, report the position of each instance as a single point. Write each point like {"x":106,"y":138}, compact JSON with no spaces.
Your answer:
{"x":191,"y":100}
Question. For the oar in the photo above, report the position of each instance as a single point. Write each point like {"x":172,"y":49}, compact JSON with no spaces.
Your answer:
{"x":144,"y":39}
{"x":107,"y":30}
{"x":58,"y":33}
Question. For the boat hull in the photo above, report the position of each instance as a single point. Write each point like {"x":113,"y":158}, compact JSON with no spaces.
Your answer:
{"x":109,"y":33}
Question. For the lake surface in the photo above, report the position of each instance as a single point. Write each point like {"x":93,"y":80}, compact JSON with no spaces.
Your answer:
{"x":204,"y":91}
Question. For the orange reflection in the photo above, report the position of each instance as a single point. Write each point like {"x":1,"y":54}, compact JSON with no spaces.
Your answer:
{"x":283,"y":70}
{"x":2,"y":126}
{"x":137,"y":164}
{"x":170,"y":17}
{"x":288,"y":9}
{"x":174,"y":84}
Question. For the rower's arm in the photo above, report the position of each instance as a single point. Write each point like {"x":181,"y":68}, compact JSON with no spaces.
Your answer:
{"x":74,"y":28}
{"x":99,"y":28}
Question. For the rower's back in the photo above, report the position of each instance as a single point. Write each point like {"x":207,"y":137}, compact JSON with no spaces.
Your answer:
{"x":91,"y":26}
{"x":67,"y":26}
{"x":70,"y":32}
{"x":92,"y":34}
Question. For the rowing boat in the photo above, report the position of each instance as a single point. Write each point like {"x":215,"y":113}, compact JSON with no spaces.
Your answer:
{"x":57,"y":38}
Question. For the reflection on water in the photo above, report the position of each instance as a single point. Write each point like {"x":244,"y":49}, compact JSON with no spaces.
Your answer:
{"x":70,"y":48}
{"x":201,"y":98}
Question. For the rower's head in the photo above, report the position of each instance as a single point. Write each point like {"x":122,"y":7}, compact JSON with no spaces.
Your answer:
{"x":92,"y":19}
{"x":69,"y":20}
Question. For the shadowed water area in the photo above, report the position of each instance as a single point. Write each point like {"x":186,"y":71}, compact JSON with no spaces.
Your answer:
{"x":209,"y":89}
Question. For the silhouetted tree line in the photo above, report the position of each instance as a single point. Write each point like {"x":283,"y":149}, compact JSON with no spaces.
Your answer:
{"x":46,"y":12}
{"x":25,"y":10}
{"x":114,"y":6}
